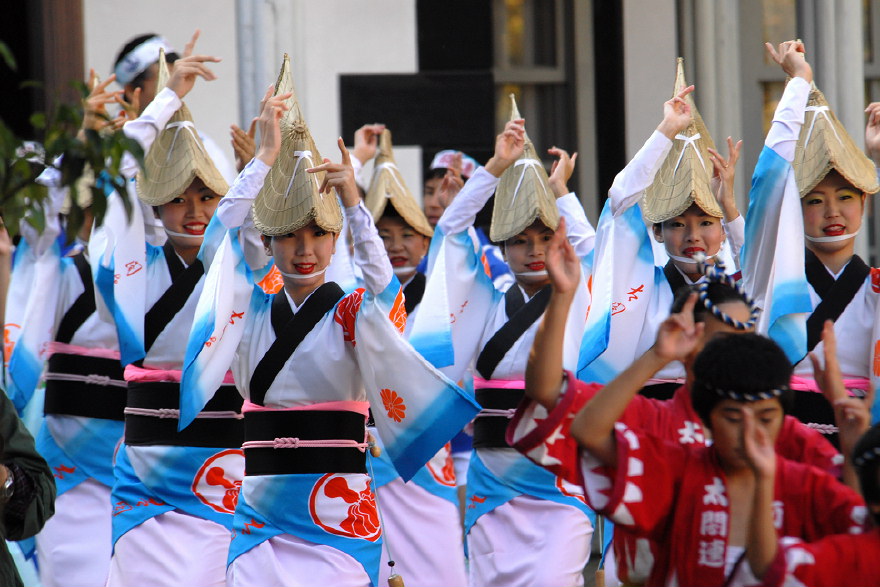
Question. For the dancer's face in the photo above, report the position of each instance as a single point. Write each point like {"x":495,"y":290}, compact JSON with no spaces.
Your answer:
{"x":833,"y":208}
{"x":405,"y":246}
{"x":727,"y":427}
{"x":691,"y":232}
{"x":304,"y":252}
{"x":189,"y":214}
{"x":525,"y":253}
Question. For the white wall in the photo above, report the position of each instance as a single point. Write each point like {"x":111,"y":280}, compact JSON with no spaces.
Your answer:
{"x":110,"y":24}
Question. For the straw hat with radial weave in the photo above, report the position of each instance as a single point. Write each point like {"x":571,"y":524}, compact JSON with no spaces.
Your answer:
{"x":388,"y":187}
{"x":685,"y":177}
{"x":289,"y":198}
{"x":176,"y":157}
{"x":524,"y":193}
{"x":824,"y":145}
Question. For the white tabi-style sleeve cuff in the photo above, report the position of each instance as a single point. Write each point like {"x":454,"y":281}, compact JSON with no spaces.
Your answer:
{"x":473,"y":196}
{"x":236,"y":204}
{"x":369,"y":251}
{"x":581,"y":233}
{"x":789,"y":118}
{"x":630,"y":184}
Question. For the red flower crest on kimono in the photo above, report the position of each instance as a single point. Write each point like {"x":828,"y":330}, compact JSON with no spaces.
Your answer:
{"x":339,"y":508}
{"x":213,"y":483}
{"x":272,"y":282}
{"x":394,"y":404}
{"x":442,"y":467}
{"x":346,"y":313}
{"x":8,"y":341}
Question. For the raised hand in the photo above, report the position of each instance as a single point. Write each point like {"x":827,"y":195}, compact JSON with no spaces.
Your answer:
{"x":679,"y":335}
{"x":271,"y":110}
{"x":722,"y":179}
{"x":829,"y":377}
{"x":561,"y":171}
{"x":790,"y":57}
{"x":95,"y":115}
{"x":757,"y":446}
{"x":189,"y":67}
{"x":339,"y":176}
{"x":563,"y":264}
{"x":243,"y":144}
{"x":872,"y":132}
{"x":677,"y":114}
{"x":452,"y":182}
{"x":509,"y":146}
{"x":366,"y":141}
{"x":853,"y":418}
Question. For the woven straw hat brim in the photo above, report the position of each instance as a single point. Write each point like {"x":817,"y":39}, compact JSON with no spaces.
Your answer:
{"x":523,"y":196}
{"x":685,"y":176}
{"x":388,"y":186}
{"x":289,"y":198}
{"x":824,"y":145}
{"x":174,"y":160}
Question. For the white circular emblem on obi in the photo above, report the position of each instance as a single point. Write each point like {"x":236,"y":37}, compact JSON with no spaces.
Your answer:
{"x":442,"y":467}
{"x":344,"y":504}
{"x":218,"y":480}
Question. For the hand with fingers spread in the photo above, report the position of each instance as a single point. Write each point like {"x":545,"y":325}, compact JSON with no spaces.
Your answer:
{"x":509,"y":146}
{"x":679,"y":335}
{"x":339,"y":176}
{"x":722,"y":179}
{"x":271,"y":110}
{"x":790,"y":56}
{"x":366,"y":141}
{"x":452,"y":182}
{"x":563,"y":264}
{"x":677,"y":114}
{"x":130,"y":110}
{"x":872,"y":132}
{"x":243,"y":144}
{"x":562,"y":170}
{"x":189,"y":67}
{"x":95,"y":115}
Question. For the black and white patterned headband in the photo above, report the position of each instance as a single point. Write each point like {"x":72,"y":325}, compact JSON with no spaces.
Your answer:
{"x":867,"y":456}
{"x":714,"y":273}
{"x":743,"y":396}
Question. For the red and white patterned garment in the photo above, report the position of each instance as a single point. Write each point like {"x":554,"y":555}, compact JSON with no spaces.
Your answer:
{"x":546,"y":440}
{"x":836,"y":560}
{"x":683,"y":506}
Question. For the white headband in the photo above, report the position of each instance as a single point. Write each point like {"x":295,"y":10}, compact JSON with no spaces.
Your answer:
{"x":140,"y":58}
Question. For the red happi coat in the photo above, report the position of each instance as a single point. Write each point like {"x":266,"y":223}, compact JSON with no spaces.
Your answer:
{"x":836,"y":560}
{"x":545,"y":439}
{"x":675,"y":495}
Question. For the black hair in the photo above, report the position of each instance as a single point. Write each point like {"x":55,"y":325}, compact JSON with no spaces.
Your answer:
{"x":743,"y":364}
{"x":133,"y":44}
{"x":719,"y":293}
{"x":435,"y":173}
{"x":866,"y":458}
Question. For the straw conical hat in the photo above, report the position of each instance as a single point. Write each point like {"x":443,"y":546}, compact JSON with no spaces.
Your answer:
{"x":289,"y":198}
{"x":685,"y":178}
{"x":176,"y":157}
{"x":388,"y":186}
{"x":824,"y":145}
{"x":524,"y":193}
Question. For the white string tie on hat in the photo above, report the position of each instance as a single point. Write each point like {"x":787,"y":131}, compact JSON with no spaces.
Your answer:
{"x":392,"y":167}
{"x":525,"y":164}
{"x":823,"y":110}
{"x":188,"y":125}
{"x":688,"y":140}
{"x":300,"y":155}
{"x":832,"y":239}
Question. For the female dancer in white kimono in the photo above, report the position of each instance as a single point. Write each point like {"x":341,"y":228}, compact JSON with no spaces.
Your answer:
{"x":507,"y":494}
{"x":306,"y":361}
{"x":808,"y":191}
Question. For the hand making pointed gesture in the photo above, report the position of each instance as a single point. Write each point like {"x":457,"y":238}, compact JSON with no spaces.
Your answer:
{"x":189,"y":67}
{"x":679,"y":334}
{"x":509,"y":146}
{"x":243,"y":143}
{"x":452,"y":182}
{"x":677,"y":114}
{"x":872,"y":132}
{"x":339,"y":176}
{"x":272,"y":108}
{"x":563,"y":264}
{"x":722,"y":179}
{"x":95,"y":116}
{"x":562,"y":170}
{"x":759,"y":449}
{"x":790,"y":57}
{"x":366,"y":141}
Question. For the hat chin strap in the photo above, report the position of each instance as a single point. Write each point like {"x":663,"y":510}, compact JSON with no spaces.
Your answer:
{"x":692,"y":260}
{"x":832,"y":239}
{"x":542,"y":273}
{"x":183,"y":234}
{"x":301,"y":275}
{"x":404,"y":270}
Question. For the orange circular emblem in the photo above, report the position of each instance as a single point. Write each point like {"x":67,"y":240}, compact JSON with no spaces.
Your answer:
{"x":344,"y":505}
{"x":218,"y":480}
